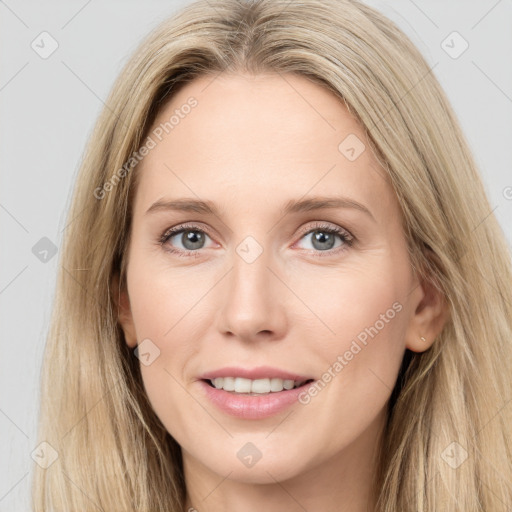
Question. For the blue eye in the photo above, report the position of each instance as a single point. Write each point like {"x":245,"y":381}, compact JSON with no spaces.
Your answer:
{"x":323,"y":238}
{"x":193,"y":238}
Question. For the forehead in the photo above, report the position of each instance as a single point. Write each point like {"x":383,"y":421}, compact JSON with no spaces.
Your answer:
{"x":267,"y":137}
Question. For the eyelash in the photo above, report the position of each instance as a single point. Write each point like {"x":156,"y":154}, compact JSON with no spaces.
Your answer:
{"x":347,"y":239}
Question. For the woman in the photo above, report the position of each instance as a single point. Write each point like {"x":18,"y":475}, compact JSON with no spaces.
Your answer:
{"x":282,"y":288}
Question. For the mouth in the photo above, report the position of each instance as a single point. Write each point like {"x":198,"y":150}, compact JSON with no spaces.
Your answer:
{"x":255,"y":387}
{"x":253,"y":393}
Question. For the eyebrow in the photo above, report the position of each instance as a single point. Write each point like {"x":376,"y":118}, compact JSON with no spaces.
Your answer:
{"x":292,"y":206}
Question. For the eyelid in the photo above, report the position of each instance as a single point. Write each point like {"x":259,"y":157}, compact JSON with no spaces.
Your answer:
{"x":192,"y":225}
{"x":179,"y":228}
{"x":304,"y":230}
{"x":318,"y":225}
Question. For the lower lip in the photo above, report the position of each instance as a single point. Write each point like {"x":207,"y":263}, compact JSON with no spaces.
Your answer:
{"x":252,"y":407}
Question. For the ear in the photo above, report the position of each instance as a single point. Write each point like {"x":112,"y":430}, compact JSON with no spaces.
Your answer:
{"x":122,"y":304}
{"x":431,"y":312}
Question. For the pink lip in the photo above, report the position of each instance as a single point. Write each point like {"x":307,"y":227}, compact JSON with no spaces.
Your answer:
{"x":251,"y":407}
{"x":260,"y":372}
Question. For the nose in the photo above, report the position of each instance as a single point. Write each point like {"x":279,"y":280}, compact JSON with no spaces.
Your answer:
{"x":252,"y":301}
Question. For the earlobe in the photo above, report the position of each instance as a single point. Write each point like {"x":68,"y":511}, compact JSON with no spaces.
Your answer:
{"x":121,"y":303}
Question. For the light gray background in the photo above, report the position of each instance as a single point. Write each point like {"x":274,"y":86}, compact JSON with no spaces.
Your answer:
{"x":49,"y":107}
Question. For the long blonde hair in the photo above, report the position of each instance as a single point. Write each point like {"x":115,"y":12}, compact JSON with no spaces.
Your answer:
{"x":451,"y":402}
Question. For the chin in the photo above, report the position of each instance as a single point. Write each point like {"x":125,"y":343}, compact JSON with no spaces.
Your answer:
{"x":262,"y":469}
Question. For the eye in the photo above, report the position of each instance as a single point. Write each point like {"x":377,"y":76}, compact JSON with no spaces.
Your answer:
{"x":323,"y":239}
{"x":190,"y":236}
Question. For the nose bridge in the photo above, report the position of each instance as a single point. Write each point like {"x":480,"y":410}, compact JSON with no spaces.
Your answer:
{"x":251,"y":303}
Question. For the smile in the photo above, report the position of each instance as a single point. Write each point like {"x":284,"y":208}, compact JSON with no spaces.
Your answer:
{"x":256,"y":387}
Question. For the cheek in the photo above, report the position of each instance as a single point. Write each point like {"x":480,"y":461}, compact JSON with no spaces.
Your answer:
{"x":372,"y":296}
{"x":162,"y":299}
{"x":359,"y":344}
{"x":164,"y":306}
{"x":362,"y":305}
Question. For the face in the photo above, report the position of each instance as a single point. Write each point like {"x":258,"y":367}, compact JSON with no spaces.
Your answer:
{"x":297,"y":271}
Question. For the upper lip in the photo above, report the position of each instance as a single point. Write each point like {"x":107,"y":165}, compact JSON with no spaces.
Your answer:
{"x":260,"y":372}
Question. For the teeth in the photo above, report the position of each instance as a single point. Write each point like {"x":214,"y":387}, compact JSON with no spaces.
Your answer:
{"x":242,"y":385}
{"x":257,"y":386}
{"x":228,"y":384}
{"x":260,"y":386}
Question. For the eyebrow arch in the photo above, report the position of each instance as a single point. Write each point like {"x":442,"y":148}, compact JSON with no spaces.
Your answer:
{"x":184,"y":205}
{"x":293,"y":206}
{"x":320,"y":203}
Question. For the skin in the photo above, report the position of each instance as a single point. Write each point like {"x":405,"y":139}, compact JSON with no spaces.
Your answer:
{"x":250,"y":145}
